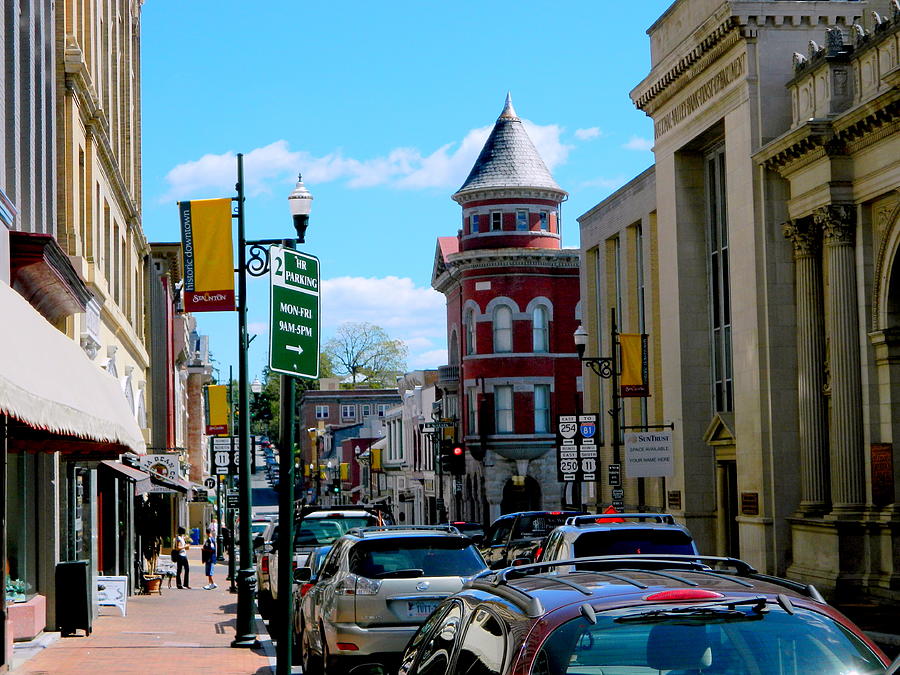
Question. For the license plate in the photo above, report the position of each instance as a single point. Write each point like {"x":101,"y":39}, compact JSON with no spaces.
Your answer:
{"x":420,"y":609}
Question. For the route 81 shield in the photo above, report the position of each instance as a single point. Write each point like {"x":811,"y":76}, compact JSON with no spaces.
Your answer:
{"x":588,"y":429}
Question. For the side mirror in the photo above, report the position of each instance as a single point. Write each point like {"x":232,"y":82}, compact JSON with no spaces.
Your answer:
{"x":302,"y":574}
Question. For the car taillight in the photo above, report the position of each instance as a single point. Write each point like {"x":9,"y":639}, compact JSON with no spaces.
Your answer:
{"x":265,"y":564}
{"x":683,"y":594}
{"x":347,"y":585}
{"x":366,"y":586}
{"x":304,"y":589}
{"x":537,"y":553}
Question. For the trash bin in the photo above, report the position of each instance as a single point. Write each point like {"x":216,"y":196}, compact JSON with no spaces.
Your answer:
{"x":73,"y":597}
{"x":195,"y":536}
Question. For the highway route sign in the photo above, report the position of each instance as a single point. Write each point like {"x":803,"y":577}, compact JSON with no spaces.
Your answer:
{"x":294,"y":315}
{"x":576,"y":448}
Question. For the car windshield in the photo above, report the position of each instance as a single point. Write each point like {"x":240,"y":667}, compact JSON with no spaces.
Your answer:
{"x":624,"y":542}
{"x":416,"y":557}
{"x":321,"y":531}
{"x":714,"y":641}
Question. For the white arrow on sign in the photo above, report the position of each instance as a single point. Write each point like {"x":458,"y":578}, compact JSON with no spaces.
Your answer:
{"x":297,"y":349}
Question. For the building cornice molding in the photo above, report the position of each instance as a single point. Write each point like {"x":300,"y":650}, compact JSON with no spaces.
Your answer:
{"x":446,"y":279}
{"x":481,"y":194}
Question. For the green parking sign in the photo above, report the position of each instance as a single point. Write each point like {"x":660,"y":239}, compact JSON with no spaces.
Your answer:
{"x":294,"y":314}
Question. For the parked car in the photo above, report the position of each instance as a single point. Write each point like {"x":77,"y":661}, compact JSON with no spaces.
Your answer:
{"x":634,"y":616}
{"x":304,"y":578}
{"x":616,"y":534}
{"x":474,"y":531}
{"x":515,"y":537}
{"x":265,"y":547}
{"x":375,"y":587}
{"x":320,"y":526}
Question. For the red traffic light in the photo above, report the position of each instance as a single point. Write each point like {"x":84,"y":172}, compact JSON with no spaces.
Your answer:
{"x":457,"y":451}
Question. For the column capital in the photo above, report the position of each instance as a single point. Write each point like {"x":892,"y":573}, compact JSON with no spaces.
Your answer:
{"x":838,"y":223}
{"x":803,"y":237}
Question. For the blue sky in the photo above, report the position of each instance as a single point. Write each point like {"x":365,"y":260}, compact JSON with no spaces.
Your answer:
{"x":384,"y":109}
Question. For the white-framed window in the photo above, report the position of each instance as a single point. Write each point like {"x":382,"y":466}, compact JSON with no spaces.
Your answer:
{"x":540,"y":329}
{"x":719,"y":282}
{"x":496,"y":221}
{"x":545,"y":221}
{"x":366,"y":409}
{"x":348,"y":411}
{"x":522,"y":220}
{"x":502,"y":329}
{"x":321,"y":412}
{"x":542,"y":408}
{"x":473,"y":223}
{"x":503,"y":409}
{"x":470,"y":331}
{"x":382,"y":408}
{"x":472,"y":410}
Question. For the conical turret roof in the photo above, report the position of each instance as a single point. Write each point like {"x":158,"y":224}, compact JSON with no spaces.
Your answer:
{"x":508,"y":158}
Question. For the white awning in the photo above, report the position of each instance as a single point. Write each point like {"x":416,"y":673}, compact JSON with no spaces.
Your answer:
{"x":48,"y":382}
{"x":380,"y":444}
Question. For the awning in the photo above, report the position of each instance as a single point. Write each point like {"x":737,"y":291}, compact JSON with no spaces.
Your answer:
{"x":47,"y":382}
{"x":163,"y":484}
{"x":141,"y":479}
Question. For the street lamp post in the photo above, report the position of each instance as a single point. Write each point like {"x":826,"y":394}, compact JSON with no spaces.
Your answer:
{"x":606,"y":367}
{"x":256,"y":265}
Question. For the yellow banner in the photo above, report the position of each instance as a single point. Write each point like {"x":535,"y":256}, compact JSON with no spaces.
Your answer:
{"x":345,"y":471}
{"x":633,"y":381}
{"x":376,"y":459}
{"x":208,"y":255}
{"x":217,"y":402}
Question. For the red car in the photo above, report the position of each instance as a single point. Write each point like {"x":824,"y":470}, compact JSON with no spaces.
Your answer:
{"x":638,"y":615}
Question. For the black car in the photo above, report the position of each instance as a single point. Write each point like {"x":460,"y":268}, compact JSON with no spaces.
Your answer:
{"x":516,"y":537}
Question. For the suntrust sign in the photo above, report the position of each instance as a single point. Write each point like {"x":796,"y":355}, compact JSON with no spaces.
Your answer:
{"x":649,"y":454}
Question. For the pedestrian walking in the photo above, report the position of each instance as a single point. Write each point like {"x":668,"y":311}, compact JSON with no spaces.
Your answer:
{"x":209,"y":558}
{"x":213,"y":527}
{"x":179,"y":557}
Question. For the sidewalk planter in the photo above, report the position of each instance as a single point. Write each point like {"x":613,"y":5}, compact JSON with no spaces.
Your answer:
{"x":152,"y":584}
{"x":27,"y":619}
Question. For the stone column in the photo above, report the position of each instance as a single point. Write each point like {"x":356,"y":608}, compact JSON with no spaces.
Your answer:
{"x":838,"y":223}
{"x":812,"y":406}
{"x":721,"y":509}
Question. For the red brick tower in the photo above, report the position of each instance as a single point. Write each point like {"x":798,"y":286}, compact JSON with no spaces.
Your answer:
{"x":512,"y":294}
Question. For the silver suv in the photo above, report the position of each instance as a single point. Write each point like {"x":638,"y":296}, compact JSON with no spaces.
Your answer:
{"x":616,"y":534}
{"x":377,"y":585}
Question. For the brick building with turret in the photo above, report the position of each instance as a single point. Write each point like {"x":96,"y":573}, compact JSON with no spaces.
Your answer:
{"x":512,"y":298}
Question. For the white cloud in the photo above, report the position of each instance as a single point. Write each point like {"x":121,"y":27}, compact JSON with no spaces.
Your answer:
{"x":638,"y":143}
{"x":607,"y":183}
{"x":587,"y":134}
{"x":417,"y":315}
{"x":257,"y":327}
{"x":401,"y":168}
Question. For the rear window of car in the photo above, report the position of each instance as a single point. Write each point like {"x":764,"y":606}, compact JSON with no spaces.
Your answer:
{"x":624,"y":542}
{"x":538,"y":525}
{"x":323,"y":531}
{"x":408,"y":557}
{"x":727,"y":640}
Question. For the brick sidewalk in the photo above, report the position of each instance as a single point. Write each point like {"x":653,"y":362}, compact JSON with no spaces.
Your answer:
{"x":182,"y":630}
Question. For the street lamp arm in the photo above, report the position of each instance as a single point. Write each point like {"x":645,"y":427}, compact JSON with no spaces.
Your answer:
{"x":601,"y":366}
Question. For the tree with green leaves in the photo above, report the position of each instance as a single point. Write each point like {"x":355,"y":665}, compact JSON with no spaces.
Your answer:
{"x":367,"y":354}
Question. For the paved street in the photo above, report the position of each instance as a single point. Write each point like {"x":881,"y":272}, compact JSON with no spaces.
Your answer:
{"x":186,"y":631}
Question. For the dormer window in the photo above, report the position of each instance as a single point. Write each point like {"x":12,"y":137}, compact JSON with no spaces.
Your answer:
{"x":522,"y":221}
{"x":496,"y":221}
{"x":473,"y":223}
{"x":545,"y":221}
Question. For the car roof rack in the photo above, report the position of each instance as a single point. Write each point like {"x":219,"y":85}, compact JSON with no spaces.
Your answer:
{"x":659,"y":564}
{"x":362,"y":531}
{"x":596,"y":518}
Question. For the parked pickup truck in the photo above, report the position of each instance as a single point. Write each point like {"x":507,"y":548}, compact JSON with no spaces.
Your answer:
{"x":515,"y":537}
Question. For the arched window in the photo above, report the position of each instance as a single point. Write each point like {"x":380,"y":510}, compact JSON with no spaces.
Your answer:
{"x":469,"y":328}
{"x":503,"y":329}
{"x":540,"y":329}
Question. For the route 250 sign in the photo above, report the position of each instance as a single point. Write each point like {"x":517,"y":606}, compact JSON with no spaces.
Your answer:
{"x":576,"y":448}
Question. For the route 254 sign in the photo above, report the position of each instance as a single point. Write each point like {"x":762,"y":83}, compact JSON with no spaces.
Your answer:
{"x":576,"y":448}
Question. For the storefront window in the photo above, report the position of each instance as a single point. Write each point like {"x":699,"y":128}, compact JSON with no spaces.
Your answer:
{"x":22,"y":509}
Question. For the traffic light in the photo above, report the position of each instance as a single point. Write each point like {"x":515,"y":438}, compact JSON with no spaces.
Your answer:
{"x":457,"y":459}
{"x":446,"y":455}
{"x":336,"y":486}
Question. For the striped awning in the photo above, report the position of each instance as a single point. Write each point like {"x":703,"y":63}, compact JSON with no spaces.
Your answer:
{"x":47,"y":382}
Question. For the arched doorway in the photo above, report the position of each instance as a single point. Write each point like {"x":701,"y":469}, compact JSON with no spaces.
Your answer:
{"x":525,"y":497}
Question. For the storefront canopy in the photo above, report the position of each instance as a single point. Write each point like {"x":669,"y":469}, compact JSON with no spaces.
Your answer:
{"x":141,"y":479}
{"x":47,"y":382}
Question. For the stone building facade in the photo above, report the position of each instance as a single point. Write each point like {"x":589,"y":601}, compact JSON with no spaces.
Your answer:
{"x":512,"y":294}
{"x":775,"y":185}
